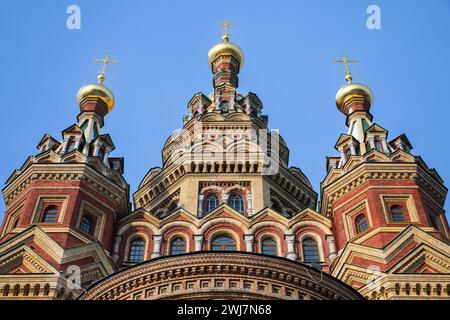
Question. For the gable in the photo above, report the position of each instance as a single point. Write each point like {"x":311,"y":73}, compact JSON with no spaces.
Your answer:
{"x":25,"y":261}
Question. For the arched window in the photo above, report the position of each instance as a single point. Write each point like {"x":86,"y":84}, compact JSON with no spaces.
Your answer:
{"x":211,"y":202}
{"x":137,"y":250}
{"x":237,"y":202}
{"x":177,"y":246}
{"x":50,"y":214}
{"x":86,"y":224}
{"x":361,"y":223}
{"x":223,"y":243}
{"x":397,"y":214}
{"x":311,"y":252}
{"x":269,"y":246}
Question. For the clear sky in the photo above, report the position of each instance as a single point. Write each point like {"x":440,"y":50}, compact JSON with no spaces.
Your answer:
{"x":162,"y":47}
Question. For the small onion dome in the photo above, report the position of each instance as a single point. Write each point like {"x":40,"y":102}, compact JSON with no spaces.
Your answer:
{"x":352,"y":90}
{"x":97,"y":91}
{"x":226,"y":48}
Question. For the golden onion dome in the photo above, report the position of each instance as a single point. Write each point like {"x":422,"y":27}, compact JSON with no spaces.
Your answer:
{"x":97,"y":91}
{"x":226,"y":48}
{"x":352,"y":90}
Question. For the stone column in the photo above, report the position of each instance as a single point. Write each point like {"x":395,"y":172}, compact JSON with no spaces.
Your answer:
{"x":332,"y":246}
{"x":105,"y":159}
{"x":341,"y":151}
{"x":225,"y":197}
{"x":198,"y":240}
{"x":200,"y":206}
{"x":384,"y":143}
{"x":77,"y":144}
{"x":352,"y":149}
{"x":290,"y":239}
{"x":371,"y":142}
{"x":64,"y":144}
{"x":157,"y":240}
{"x":249,"y":242}
{"x":96,"y":148}
{"x":249,"y":199}
{"x":117,"y":240}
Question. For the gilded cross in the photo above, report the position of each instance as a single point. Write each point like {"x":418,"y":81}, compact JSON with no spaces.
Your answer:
{"x":226,"y":27}
{"x":105,"y":61}
{"x":345,"y":61}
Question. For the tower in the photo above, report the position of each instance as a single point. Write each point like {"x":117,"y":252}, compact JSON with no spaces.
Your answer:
{"x":61,"y":207}
{"x":386,"y":206}
{"x":225,"y":177}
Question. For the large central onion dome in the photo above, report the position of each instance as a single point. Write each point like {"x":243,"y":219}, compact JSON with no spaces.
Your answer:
{"x":226,"y":48}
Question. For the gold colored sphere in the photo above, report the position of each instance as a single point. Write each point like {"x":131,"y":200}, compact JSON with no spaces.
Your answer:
{"x":97,"y":91}
{"x":226,"y":48}
{"x":350,"y":90}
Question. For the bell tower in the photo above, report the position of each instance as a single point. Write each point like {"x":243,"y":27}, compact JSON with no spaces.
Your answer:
{"x":386,"y":205}
{"x":62,"y":205}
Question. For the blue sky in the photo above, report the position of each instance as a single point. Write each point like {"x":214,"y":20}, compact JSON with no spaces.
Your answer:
{"x":162,"y":47}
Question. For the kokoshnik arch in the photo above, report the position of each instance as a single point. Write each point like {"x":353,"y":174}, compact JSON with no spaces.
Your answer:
{"x":213,"y":222}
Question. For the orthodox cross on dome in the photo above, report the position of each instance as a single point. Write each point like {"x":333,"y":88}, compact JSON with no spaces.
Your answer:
{"x":226,"y":30}
{"x":105,"y":61}
{"x":345,"y":61}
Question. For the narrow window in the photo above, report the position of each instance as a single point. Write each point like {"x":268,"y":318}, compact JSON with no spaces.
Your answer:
{"x":95,"y":130}
{"x":84,"y":125}
{"x":86,"y":224}
{"x":397,"y":214}
{"x":237,"y":203}
{"x":211,"y":202}
{"x":348,"y":153}
{"x":101,"y":153}
{"x":378,"y":145}
{"x":70,"y":144}
{"x":137,"y":250}
{"x":50,"y":214}
{"x":361,"y":223}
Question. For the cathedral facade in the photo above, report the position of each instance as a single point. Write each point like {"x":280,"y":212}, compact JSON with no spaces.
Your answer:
{"x":225,"y":216}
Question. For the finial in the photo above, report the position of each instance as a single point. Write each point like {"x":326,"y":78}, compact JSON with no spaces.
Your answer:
{"x":105,"y":61}
{"x":345,"y":61}
{"x":226,"y":31}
